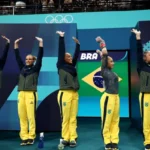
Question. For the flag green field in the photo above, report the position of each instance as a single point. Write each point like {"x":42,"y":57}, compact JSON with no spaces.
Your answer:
{"x":88,"y":68}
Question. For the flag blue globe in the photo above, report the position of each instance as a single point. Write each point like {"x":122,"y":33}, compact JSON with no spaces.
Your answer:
{"x":98,"y":80}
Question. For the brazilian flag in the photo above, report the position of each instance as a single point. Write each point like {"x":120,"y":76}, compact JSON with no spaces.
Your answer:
{"x":89,"y":73}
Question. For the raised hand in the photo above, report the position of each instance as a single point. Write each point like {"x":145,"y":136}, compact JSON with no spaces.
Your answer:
{"x":61,"y":34}
{"x":76,"y":40}
{"x":18,"y":40}
{"x":137,"y":33}
{"x":16,"y":45}
{"x":4,"y":37}
{"x":39,"y":39}
{"x":99,"y":52}
{"x":99,"y":39}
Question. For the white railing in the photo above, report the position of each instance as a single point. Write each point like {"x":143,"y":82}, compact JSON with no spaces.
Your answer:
{"x":6,"y":9}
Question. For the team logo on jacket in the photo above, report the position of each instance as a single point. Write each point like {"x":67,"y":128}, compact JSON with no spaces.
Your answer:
{"x":146,"y":104}
{"x":31,"y":102}
{"x":95,"y":80}
{"x":64,"y":103}
{"x":109,"y":111}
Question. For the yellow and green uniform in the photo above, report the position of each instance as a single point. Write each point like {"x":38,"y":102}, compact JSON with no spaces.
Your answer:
{"x":110,"y":104}
{"x":143,"y":70}
{"x":27,"y":97}
{"x":68,"y":93}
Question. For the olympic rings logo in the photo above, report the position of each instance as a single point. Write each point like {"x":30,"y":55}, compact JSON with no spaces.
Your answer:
{"x":59,"y":19}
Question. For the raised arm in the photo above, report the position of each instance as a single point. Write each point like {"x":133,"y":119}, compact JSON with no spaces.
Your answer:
{"x":5,"y":53}
{"x":40,"y":54}
{"x":77,"y":50}
{"x":140,"y":61}
{"x":61,"y":49}
{"x":17,"y":54}
{"x":103,"y":53}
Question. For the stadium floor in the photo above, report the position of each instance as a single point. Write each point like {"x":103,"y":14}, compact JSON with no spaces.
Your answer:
{"x":89,"y":137}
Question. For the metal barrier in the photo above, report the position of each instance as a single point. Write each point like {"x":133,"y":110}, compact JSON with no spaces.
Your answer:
{"x":7,"y":10}
{"x":78,"y":6}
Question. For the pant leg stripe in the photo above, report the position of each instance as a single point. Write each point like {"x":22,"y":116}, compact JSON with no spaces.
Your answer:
{"x":104,"y":113}
{"x":142,"y":110}
{"x":35,"y":103}
{"x":61,"y":108}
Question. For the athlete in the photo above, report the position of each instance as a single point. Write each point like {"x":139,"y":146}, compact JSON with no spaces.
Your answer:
{"x":110,"y":101}
{"x":143,"y":69}
{"x":68,"y":92}
{"x":27,"y":87}
{"x":4,"y":57}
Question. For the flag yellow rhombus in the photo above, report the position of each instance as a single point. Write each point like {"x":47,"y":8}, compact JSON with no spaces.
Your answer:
{"x":89,"y":80}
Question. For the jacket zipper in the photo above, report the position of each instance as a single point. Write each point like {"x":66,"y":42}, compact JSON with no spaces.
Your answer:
{"x":24,"y":83}
{"x":147,"y":80}
{"x":33,"y":80}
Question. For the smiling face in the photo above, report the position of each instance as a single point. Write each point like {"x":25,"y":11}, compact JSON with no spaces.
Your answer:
{"x":30,"y":60}
{"x":68,"y":58}
{"x":146,"y":57}
{"x":110,"y":62}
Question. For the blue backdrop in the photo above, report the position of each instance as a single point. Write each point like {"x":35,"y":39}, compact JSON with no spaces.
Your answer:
{"x":115,"y":32}
{"x":48,"y":79}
